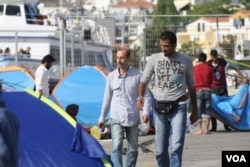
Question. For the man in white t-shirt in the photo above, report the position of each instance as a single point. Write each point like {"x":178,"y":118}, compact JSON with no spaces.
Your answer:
{"x":42,"y":76}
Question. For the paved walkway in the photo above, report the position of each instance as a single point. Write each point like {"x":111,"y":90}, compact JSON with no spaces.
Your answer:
{"x":199,"y":150}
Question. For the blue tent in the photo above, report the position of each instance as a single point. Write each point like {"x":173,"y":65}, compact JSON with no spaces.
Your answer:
{"x":48,"y":136}
{"x":233,"y":110}
{"x":16,"y":78}
{"x":83,"y":86}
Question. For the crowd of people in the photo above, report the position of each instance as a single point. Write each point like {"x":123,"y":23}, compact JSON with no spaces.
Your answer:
{"x":21,"y":52}
{"x":24,"y":52}
{"x":6,"y":51}
{"x":126,"y":95}
{"x":210,"y":77}
{"x":174,"y":73}
{"x":126,"y":92}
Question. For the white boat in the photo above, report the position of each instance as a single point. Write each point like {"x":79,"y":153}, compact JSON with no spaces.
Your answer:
{"x":21,"y":26}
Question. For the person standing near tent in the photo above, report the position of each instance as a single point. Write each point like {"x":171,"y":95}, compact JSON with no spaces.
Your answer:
{"x":203,"y":75}
{"x":9,"y":137}
{"x":173,"y":75}
{"x":120,"y":97}
{"x":42,"y":76}
{"x":219,"y":84}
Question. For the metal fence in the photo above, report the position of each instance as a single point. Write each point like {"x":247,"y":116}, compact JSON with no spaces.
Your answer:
{"x":226,"y":33}
{"x":229,"y":34}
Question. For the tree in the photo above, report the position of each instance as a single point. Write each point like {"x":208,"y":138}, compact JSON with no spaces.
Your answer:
{"x":165,"y":12}
{"x":135,"y":56}
{"x":210,"y":8}
{"x":227,"y":46}
{"x":246,"y":3}
{"x":190,"y":48}
{"x":166,"y":15}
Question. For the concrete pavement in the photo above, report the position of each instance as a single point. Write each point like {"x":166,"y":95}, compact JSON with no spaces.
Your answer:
{"x":200,"y":150}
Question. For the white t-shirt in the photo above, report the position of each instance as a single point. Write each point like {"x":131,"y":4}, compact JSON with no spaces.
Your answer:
{"x":42,"y":80}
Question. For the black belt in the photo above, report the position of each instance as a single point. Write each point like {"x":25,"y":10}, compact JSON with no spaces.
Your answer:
{"x":183,"y":98}
{"x":180,"y":99}
{"x":168,"y":107}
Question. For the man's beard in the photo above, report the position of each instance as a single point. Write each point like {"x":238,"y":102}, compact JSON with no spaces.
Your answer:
{"x":48,"y":67}
{"x":166,"y":54}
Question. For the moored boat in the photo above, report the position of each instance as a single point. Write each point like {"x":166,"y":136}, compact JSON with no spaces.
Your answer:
{"x":22,"y":26}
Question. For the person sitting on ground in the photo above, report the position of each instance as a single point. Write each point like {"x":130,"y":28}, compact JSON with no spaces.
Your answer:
{"x":72,"y":110}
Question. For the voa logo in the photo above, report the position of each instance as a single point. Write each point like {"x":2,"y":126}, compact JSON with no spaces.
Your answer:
{"x":236,"y":158}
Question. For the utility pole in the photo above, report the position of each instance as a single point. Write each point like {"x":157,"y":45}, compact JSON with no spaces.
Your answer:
{"x":217,"y":30}
{"x":241,"y":38}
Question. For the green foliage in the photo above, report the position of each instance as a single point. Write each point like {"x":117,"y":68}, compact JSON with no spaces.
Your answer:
{"x":167,"y":18}
{"x":165,"y":7}
{"x":135,"y":56}
{"x":114,"y":54}
{"x":247,"y":4}
{"x":190,"y":48}
{"x":209,"y":8}
{"x":227,"y":46}
{"x":164,"y":10}
{"x":152,"y":40}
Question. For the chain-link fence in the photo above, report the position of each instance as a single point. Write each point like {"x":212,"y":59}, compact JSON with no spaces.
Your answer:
{"x":229,"y":34}
{"x":94,"y":40}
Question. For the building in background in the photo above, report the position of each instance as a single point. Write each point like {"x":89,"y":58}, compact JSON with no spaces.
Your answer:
{"x":209,"y":31}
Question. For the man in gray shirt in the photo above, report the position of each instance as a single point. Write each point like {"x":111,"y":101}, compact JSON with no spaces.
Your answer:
{"x":120,"y":97}
{"x":173,"y":75}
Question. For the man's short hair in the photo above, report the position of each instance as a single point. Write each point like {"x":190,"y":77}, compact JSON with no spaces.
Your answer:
{"x":169,"y":35}
{"x":214,"y":52}
{"x":202,"y":57}
{"x":48,"y":58}
{"x":126,"y":50}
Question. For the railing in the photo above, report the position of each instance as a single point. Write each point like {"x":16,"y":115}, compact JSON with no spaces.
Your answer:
{"x":141,"y":34}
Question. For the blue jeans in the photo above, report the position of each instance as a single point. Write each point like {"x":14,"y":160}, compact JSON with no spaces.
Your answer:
{"x":203,"y":103}
{"x":117,"y":133}
{"x":170,"y":137}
